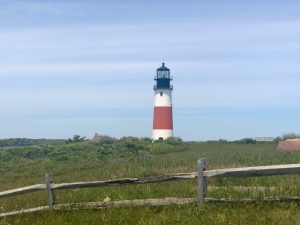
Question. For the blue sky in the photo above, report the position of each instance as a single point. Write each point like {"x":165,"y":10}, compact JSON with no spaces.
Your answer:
{"x":80,"y":67}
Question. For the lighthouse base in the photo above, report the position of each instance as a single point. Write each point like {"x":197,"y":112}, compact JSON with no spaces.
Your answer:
{"x":161,"y":134}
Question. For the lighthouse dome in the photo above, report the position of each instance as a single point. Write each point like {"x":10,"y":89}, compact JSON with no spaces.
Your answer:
{"x":163,"y":72}
{"x":163,"y":78}
{"x":163,"y":68}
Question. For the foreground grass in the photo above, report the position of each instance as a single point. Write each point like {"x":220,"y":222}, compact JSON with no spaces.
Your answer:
{"x":27,"y":171}
{"x":188,"y":214}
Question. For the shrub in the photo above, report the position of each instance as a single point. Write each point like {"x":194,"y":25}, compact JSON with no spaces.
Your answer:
{"x":246,"y":141}
{"x":290,"y":136}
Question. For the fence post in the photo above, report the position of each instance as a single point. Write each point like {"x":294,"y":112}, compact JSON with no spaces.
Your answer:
{"x":202,"y":181}
{"x":51,"y":196}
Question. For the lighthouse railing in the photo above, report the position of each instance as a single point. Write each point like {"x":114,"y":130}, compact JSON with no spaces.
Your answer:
{"x":169,"y":88}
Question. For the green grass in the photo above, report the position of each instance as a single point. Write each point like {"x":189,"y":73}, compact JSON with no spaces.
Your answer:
{"x":24,"y":171}
{"x":188,"y":214}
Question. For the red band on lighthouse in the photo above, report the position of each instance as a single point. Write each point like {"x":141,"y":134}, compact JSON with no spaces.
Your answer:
{"x":163,"y":118}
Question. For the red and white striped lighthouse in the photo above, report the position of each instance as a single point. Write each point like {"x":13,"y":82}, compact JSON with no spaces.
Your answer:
{"x":163,"y":116}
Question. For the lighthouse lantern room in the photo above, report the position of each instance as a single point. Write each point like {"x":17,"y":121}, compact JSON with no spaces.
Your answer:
{"x":163,"y":116}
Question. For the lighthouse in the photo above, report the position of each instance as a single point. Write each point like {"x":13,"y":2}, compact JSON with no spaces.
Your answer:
{"x":163,"y":116}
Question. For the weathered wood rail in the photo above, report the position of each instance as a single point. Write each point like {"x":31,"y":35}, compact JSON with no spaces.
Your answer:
{"x":91,"y":184}
{"x":255,"y":171}
{"x":202,"y":174}
{"x":23,"y":190}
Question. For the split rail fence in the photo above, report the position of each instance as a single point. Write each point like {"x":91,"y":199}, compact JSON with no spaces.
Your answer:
{"x":202,"y":174}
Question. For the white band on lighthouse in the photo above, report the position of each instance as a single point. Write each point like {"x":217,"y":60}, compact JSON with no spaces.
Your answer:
{"x":162,"y":97}
{"x":163,"y":115}
{"x":157,"y":133}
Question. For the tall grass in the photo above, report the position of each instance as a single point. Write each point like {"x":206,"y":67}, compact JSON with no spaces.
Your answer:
{"x":220,"y":155}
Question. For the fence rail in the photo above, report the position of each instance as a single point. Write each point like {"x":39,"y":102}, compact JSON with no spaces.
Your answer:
{"x":202,"y":174}
{"x":255,"y":171}
{"x":23,"y":190}
{"x":75,"y":185}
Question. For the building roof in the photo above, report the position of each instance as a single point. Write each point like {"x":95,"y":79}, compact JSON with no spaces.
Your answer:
{"x":163,"y":68}
{"x":289,"y":146}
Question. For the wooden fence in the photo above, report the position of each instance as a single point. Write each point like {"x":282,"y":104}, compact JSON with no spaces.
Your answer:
{"x":202,"y":174}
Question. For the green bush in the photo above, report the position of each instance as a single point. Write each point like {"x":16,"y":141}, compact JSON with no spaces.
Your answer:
{"x":246,"y":141}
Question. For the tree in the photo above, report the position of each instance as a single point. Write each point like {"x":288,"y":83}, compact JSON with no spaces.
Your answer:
{"x":76,"y":138}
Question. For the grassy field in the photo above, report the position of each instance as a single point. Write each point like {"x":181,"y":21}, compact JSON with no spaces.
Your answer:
{"x":86,"y":166}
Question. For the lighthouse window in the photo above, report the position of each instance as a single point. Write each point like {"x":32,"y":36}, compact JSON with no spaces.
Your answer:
{"x":161,"y":93}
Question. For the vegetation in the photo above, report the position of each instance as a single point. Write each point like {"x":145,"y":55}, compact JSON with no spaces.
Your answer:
{"x":246,"y":141}
{"x":19,"y":142}
{"x":290,"y":136}
{"x":285,"y":137}
{"x":134,"y":157}
{"x":76,"y":138}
